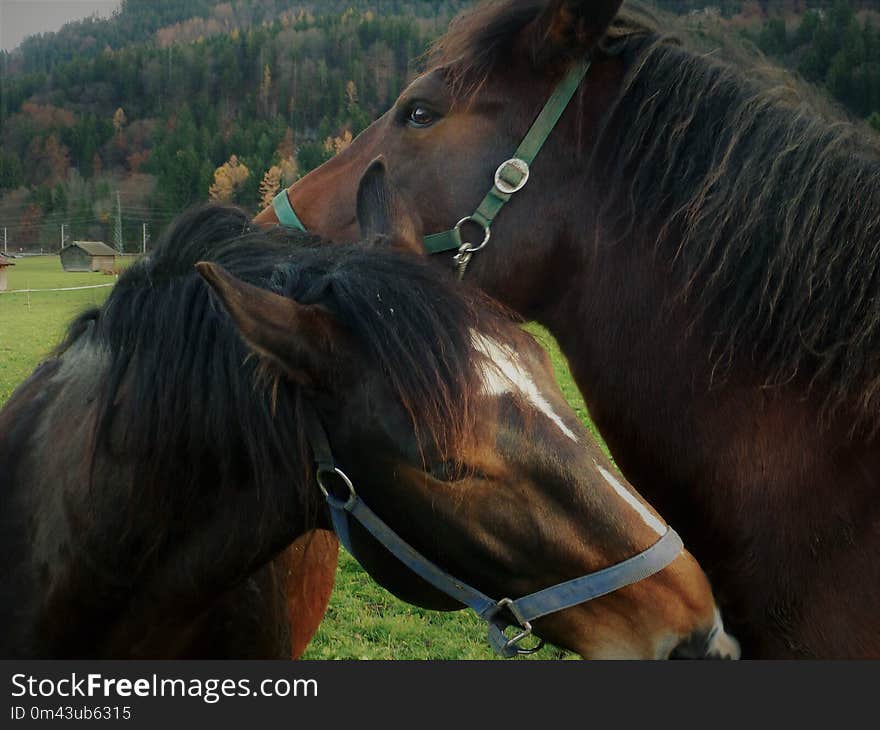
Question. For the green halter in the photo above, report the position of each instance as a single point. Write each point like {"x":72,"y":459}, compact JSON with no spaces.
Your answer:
{"x":285,"y":213}
{"x":511,"y":175}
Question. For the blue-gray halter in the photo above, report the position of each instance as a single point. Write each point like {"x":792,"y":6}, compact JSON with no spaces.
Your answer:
{"x":496,"y":613}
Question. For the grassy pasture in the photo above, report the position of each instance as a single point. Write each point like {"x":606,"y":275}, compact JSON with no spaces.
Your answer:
{"x":31,"y":324}
{"x":363,"y":621}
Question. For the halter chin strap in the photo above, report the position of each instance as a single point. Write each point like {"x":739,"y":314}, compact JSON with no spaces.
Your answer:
{"x":511,"y":175}
{"x":498,"y":614}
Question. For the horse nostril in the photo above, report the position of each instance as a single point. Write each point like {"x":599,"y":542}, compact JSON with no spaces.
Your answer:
{"x":695,"y":646}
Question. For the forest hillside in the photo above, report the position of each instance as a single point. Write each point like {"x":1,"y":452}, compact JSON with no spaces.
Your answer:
{"x":110,"y":127}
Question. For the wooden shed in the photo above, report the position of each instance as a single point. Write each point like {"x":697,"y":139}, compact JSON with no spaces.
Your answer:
{"x":88,"y":256}
{"x":5,"y":263}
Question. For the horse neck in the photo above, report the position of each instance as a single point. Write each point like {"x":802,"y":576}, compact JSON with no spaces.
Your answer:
{"x":628,"y":307}
{"x":741,"y":470}
{"x":113,"y":565}
{"x":761,"y":213}
{"x":707,"y":452}
{"x":695,"y":439}
{"x":44,"y":471}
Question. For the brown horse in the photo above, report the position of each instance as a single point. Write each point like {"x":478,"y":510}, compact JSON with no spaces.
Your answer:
{"x":705,"y":251}
{"x":152,"y":470}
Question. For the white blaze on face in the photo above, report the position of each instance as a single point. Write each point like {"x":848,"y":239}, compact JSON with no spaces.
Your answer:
{"x":649,"y":519}
{"x":506,"y":374}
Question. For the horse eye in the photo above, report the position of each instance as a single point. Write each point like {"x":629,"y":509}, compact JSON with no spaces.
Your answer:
{"x":420,"y":117}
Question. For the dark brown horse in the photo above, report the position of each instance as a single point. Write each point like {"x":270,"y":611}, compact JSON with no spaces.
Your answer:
{"x":152,"y":471}
{"x":705,"y":250}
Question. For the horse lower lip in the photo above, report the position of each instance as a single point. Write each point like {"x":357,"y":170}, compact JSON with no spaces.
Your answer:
{"x":725,"y":646}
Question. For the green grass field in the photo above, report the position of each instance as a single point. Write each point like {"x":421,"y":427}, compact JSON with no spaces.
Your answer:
{"x":363,"y":621}
{"x":31,"y":324}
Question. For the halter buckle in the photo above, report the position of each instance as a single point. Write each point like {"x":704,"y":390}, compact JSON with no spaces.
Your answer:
{"x":331,"y":498}
{"x":511,"y":648}
{"x":503,"y":183}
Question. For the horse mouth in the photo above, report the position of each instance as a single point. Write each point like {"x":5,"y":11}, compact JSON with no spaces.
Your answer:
{"x":714,"y":644}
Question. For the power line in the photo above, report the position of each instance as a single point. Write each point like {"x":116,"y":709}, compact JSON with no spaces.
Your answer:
{"x":75,"y":221}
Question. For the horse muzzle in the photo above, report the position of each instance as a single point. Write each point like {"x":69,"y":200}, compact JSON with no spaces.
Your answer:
{"x":715,"y":643}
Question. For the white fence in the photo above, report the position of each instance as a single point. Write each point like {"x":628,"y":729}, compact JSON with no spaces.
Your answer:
{"x":66,"y":288}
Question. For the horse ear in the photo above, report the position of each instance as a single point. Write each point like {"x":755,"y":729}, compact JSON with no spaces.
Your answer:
{"x":568,"y":29}
{"x":384,"y":214}
{"x":300,"y":338}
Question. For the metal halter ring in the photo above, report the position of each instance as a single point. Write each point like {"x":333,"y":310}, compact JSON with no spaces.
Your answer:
{"x":332,"y":498}
{"x":512,"y":643}
{"x":521,"y":166}
{"x":470,"y":247}
{"x":526,"y":631}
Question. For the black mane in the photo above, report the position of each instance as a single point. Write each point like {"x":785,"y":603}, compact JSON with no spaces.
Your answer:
{"x":182,"y":393}
{"x":766,"y":211}
{"x":763,"y":202}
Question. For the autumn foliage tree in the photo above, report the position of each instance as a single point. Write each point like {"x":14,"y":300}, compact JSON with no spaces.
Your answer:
{"x":270,"y":185}
{"x":277,"y":177}
{"x":56,"y":158}
{"x":119,"y":120}
{"x":228,"y":180}
{"x":335,"y":145}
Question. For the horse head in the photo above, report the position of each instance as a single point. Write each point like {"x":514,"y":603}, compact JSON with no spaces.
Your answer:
{"x":458,"y":122}
{"x":490,"y":474}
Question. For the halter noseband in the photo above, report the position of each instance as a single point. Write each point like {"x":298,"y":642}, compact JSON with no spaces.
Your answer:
{"x":510,"y":177}
{"x":498,"y":614}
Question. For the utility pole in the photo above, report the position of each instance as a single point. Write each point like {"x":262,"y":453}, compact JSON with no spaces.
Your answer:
{"x":62,"y":234}
{"x":146,"y":237}
{"x":4,"y":239}
{"x":117,"y":233}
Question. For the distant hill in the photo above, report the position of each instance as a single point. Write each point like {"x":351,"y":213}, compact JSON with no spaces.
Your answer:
{"x":142,"y":114}
{"x":167,"y":99}
{"x":149,"y":21}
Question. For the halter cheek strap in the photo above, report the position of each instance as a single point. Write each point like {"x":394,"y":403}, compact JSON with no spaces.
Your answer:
{"x":346,"y":504}
{"x":512,"y":175}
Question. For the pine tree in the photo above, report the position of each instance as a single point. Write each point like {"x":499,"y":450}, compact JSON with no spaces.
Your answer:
{"x":11,"y":171}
